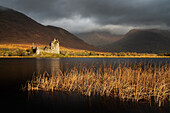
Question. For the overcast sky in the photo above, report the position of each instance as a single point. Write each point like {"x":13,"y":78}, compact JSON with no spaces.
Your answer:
{"x":116,"y":16}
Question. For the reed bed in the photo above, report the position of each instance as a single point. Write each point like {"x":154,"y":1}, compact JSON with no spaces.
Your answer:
{"x":136,"y":82}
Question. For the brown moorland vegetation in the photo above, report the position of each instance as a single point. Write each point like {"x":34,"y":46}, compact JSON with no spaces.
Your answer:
{"x":17,"y":28}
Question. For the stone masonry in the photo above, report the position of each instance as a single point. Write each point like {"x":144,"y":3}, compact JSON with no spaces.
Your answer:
{"x":52,"y":48}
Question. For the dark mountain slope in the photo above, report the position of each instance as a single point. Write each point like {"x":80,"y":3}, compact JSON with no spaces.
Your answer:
{"x":17,"y":28}
{"x":148,"y":40}
{"x":99,"y":38}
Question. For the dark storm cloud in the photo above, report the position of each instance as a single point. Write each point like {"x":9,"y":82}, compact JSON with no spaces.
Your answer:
{"x":40,"y":9}
{"x":125,"y":11}
{"x":102,"y":12}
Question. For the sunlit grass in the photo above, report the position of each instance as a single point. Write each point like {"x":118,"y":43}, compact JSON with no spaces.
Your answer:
{"x":136,"y":82}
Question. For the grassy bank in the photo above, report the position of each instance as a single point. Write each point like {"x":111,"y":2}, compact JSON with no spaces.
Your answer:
{"x":61,"y":56}
{"x":135,"y":82}
{"x":21,"y":53}
{"x":21,"y":50}
{"x":118,"y":56}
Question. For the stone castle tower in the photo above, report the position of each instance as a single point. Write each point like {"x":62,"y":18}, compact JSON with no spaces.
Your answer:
{"x":52,"y":48}
{"x":55,"y":46}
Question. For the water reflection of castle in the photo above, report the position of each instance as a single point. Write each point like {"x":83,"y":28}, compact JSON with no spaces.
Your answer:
{"x":52,"y":66}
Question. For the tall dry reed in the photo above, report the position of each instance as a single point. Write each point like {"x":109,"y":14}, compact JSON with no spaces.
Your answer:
{"x":135,"y":82}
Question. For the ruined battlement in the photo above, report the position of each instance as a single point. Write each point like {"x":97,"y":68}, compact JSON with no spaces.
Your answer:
{"x":52,"y":48}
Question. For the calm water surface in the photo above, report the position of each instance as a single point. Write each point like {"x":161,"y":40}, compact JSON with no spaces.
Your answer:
{"x":15,"y":72}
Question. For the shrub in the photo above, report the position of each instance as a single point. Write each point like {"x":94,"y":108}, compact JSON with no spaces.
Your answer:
{"x":14,"y":53}
{"x":86,"y":53}
{"x":122,"y":54}
{"x":64,"y":52}
{"x":29,"y":52}
{"x":113,"y":54}
{"x":6,"y":49}
{"x":167,"y":54}
{"x":18,"y":52}
{"x":9,"y":53}
{"x":1,"y":54}
{"x":92,"y":53}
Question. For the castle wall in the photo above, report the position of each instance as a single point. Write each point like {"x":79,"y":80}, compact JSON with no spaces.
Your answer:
{"x":53,"y":48}
{"x":57,"y":51}
{"x":47,"y":51}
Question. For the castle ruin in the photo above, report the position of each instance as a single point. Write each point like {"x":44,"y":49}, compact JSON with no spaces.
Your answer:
{"x":52,"y":48}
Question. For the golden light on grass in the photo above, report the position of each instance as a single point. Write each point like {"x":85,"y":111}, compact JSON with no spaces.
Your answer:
{"x":15,"y":46}
{"x":136,"y":82}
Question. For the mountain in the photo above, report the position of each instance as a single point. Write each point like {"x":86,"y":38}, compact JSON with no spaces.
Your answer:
{"x":17,"y":28}
{"x":146,"y":40}
{"x":98,"y":38}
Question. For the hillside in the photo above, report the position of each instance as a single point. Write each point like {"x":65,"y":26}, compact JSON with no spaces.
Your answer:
{"x":99,"y":38}
{"x":148,"y":40}
{"x":17,"y":28}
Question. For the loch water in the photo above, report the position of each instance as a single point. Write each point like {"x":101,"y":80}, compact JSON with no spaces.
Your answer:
{"x":14,"y":72}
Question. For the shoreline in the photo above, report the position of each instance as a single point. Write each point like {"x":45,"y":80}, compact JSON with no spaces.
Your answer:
{"x":87,"y":57}
{"x":119,"y":57}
